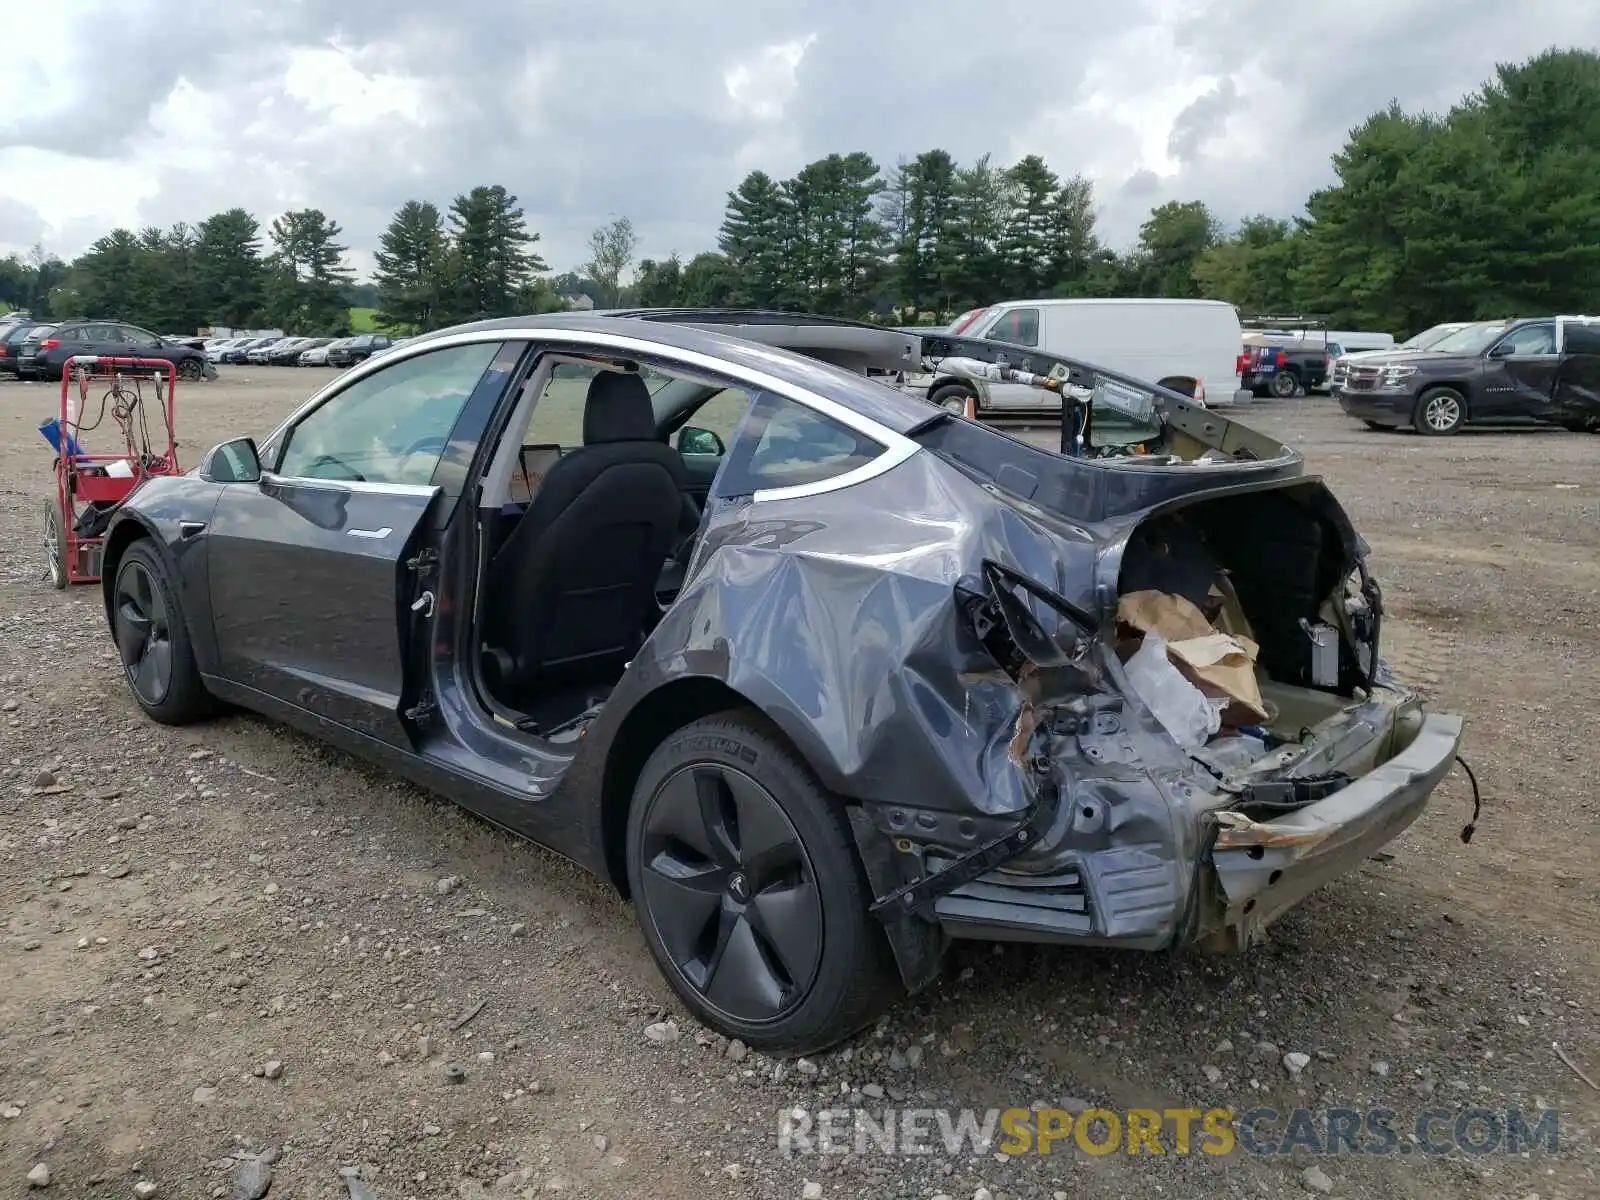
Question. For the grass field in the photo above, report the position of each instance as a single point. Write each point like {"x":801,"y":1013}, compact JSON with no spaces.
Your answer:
{"x":363,"y":320}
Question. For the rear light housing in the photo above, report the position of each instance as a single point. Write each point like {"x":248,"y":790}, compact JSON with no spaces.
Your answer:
{"x":49,"y":343}
{"x":1280,"y":359}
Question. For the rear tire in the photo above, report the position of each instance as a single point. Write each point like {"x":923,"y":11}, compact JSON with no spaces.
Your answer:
{"x":153,"y":643}
{"x":749,"y":890}
{"x":1284,"y":385}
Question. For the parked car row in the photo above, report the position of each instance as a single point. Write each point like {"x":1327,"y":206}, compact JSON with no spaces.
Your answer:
{"x":301,"y":351}
{"x":1533,"y":370}
{"x":32,"y":349}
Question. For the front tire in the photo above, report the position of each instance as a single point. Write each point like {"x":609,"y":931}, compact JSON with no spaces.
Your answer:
{"x":1440,"y":412}
{"x":55,"y":543}
{"x":953,"y":397}
{"x":191,"y":369}
{"x":153,"y":640}
{"x":749,"y":891}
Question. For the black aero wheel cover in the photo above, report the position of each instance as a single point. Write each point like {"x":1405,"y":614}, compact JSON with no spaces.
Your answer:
{"x":730,"y":892}
{"x":143,"y":631}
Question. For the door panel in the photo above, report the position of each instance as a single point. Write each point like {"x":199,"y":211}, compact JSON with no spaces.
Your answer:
{"x":1020,"y":327}
{"x":308,"y":587}
{"x":1519,"y":375}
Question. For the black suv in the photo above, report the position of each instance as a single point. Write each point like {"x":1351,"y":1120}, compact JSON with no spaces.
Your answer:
{"x":1541,"y":370}
{"x":356,"y":349}
{"x":44,"y":351}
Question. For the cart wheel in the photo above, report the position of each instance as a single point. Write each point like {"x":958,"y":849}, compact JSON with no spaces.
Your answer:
{"x":55,"y":543}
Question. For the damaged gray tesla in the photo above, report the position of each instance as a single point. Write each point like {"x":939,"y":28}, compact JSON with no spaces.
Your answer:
{"x":818,"y":674}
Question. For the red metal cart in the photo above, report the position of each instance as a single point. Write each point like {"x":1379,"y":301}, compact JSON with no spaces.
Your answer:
{"x":89,"y":487}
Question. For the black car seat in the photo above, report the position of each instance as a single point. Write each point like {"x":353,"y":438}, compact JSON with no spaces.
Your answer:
{"x":570,"y":591}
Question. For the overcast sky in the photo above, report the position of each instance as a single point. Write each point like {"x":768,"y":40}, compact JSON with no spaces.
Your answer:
{"x":139,"y":112}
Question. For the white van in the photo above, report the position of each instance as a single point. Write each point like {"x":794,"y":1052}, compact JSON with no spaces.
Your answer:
{"x":1191,"y":346}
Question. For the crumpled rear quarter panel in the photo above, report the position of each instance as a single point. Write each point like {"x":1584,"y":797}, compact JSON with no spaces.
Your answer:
{"x":836,"y":615}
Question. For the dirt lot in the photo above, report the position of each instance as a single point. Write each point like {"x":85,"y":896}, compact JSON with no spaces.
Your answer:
{"x":184,"y":908}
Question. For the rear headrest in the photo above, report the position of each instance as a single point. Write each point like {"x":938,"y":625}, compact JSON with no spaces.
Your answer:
{"x":617,"y":409}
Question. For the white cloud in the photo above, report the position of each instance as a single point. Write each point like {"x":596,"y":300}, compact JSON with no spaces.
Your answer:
{"x":763,"y":84}
{"x":653,"y":109}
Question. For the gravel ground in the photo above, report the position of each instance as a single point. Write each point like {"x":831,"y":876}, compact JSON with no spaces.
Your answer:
{"x":233,"y":957}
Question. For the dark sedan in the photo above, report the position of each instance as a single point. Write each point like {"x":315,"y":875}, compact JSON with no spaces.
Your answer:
{"x":357,"y":349}
{"x":42,"y":355}
{"x":12,"y":335}
{"x":821,"y":675}
{"x":1543,"y":371}
{"x":287,"y":352}
{"x":237,"y":353}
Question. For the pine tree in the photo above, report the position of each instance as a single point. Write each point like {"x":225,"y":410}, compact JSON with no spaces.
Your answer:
{"x":228,"y":269}
{"x":492,"y":260}
{"x":411,"y":263}
{"x":752,"y":237}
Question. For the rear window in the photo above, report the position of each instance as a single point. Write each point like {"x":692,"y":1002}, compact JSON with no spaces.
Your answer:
{"x":785,"y":444}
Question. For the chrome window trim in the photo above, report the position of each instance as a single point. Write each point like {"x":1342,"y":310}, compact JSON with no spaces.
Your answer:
{"x":897,"y":447}
{"x":349,"y":485}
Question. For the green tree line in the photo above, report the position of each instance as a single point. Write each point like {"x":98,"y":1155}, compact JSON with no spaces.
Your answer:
{"x":1490,"y":209}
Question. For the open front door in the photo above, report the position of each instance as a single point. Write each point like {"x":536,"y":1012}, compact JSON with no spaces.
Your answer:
{"x":311,"y":593}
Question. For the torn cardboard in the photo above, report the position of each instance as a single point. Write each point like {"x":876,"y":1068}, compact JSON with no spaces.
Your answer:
{"x":1221,"y":665}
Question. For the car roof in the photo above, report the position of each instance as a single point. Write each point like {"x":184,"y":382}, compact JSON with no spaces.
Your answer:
{"x":697,"y":331}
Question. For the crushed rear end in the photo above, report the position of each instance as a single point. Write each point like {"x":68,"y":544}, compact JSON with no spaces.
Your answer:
{"x":1192,"y":793}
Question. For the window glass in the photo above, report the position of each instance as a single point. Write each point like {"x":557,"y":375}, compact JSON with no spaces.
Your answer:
{"x":722,"y":413}
{"x":1530,"y":339}
{"x":558,"y":417}
{"x":785,"y":444}
{"x":392,"y":425}
{"x":1019,"y":325}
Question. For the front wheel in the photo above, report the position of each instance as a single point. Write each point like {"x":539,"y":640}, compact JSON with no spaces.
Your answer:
{"x":749,"y":891}
{"x":953,"y":397}
{"x":153,"y":640}
{"x":1440,"y":412}
{"x":55,"y":543}
{"x":191,"y":369}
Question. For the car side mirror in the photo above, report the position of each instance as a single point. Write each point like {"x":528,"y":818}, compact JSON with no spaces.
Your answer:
{"x":232,"y":462}
{"x":693,"y":440}
{"x":1503,"y":350}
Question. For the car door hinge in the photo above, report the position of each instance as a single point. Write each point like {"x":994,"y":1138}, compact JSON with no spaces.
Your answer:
{"x":421,"y":713}
{"x":423,"y":562}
